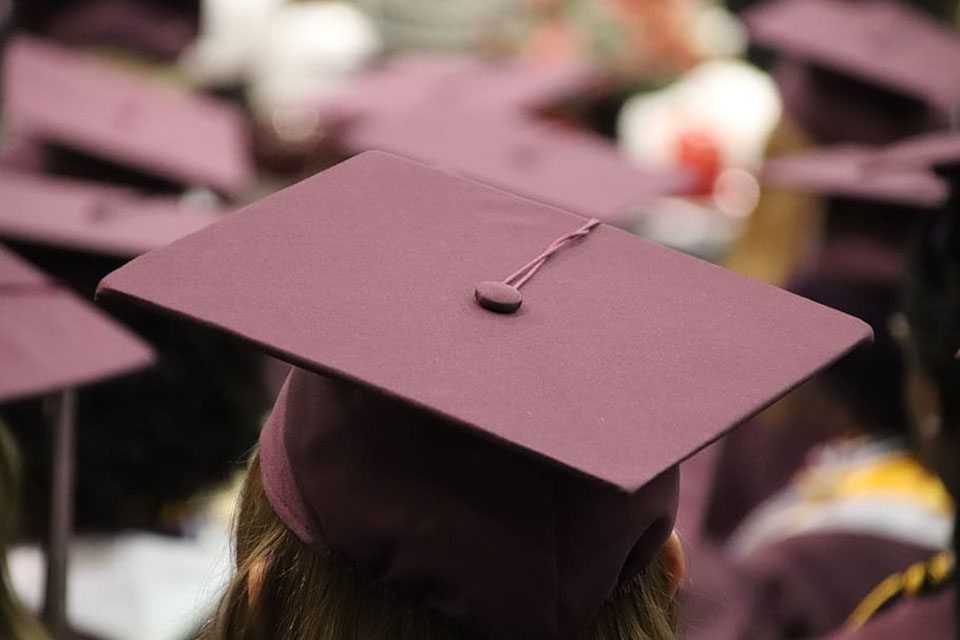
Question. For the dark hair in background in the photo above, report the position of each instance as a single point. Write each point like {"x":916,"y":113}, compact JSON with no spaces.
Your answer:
{"x":890,"y":225}
{"x":943,"y":10}
{"x":152,"y":439}
{"x":35,"y":15}
{"x":869,"y":380}
{"x":932,"y":306}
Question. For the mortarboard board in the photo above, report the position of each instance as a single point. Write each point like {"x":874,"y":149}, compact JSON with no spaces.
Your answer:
{"x":91,"y":217}
{"x":512,"y":468}
{"x":51,"y":341}
{"x":54,"y":95}
{"x":543,"y":161}
{"x":851,"y":171}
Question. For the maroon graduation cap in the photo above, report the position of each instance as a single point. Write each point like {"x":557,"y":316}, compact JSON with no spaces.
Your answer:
{"x":490,"y":395}
{"x":52,"y":342}
{"x":879,"y":44}
{"x":406,"y":84}
{"x":91,"y":217}
{"x":933,"y":150}
{"x":540,"y":160}
{"x":853,"y":171}
{"x":57,"y":96}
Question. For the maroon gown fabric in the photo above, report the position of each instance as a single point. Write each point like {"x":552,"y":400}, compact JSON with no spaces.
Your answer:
{"x":802,"y":587}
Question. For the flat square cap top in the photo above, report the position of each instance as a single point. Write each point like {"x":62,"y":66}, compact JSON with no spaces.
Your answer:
{"x":853,"y":171}
{"x":91,"y":217}
{"x":544,"y":161}
{"x":624,"y":358}
{"x":56,"y":95}
{"x":50,"y":339}
{"x":882,"y":42}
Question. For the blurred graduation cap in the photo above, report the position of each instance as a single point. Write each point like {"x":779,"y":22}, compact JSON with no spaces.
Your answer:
{"x":867,"y":71}
{"x":56,"y":96}
{"x":540,"y":160}
{"x":52,"y":342}
{"x":853,"y":171}
{"x":939,"y":151}
{"x":409,"y":83}
{"x":93,"y":218}
{"x":537,"y":419}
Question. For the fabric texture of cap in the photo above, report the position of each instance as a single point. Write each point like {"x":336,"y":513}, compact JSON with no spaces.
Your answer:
{"x":50,"y":339}
{"x":544,"y":161}
{"x":92,"y":217}
{"x":882,"y":42}
{"x":852,"y":171}
{"x":55,"y":95}
{"x":512,"y":469}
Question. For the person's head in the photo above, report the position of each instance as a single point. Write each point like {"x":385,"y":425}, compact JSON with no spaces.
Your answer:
{"x":418,"y":529}
{"x":15,"y":622}
{"x":281,"y":584}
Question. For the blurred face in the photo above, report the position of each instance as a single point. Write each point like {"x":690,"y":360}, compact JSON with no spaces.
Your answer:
{"x":936,"y":442}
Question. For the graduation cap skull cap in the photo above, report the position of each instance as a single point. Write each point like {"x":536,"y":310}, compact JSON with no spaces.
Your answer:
{"x":512,"y":469}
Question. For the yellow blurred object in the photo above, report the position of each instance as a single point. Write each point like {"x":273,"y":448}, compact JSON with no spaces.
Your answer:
{"x":784,"y":225}
{"x":918,"y":579}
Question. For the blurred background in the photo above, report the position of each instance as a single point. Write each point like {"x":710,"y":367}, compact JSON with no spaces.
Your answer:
{"x":738,"y":132}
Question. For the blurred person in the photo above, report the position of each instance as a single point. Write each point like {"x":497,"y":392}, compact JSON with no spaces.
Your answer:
{"x":923,"y":600}
{"x":839,"y":80}
{"x":862,"y":501}
{"x":201,"y":405}
{"x":838,"y":230}
{"x":53,"y":342}
{"x":16,"y":623}
{"x":150,"y":448}
{"x":853,"y":506}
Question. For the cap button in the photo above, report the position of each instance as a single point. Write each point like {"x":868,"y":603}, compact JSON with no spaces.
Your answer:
{"x":498,"y":296}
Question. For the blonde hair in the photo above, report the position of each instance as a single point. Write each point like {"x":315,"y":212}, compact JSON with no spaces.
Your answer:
{"x":15,"y":622}
{"x":305,"y":595}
